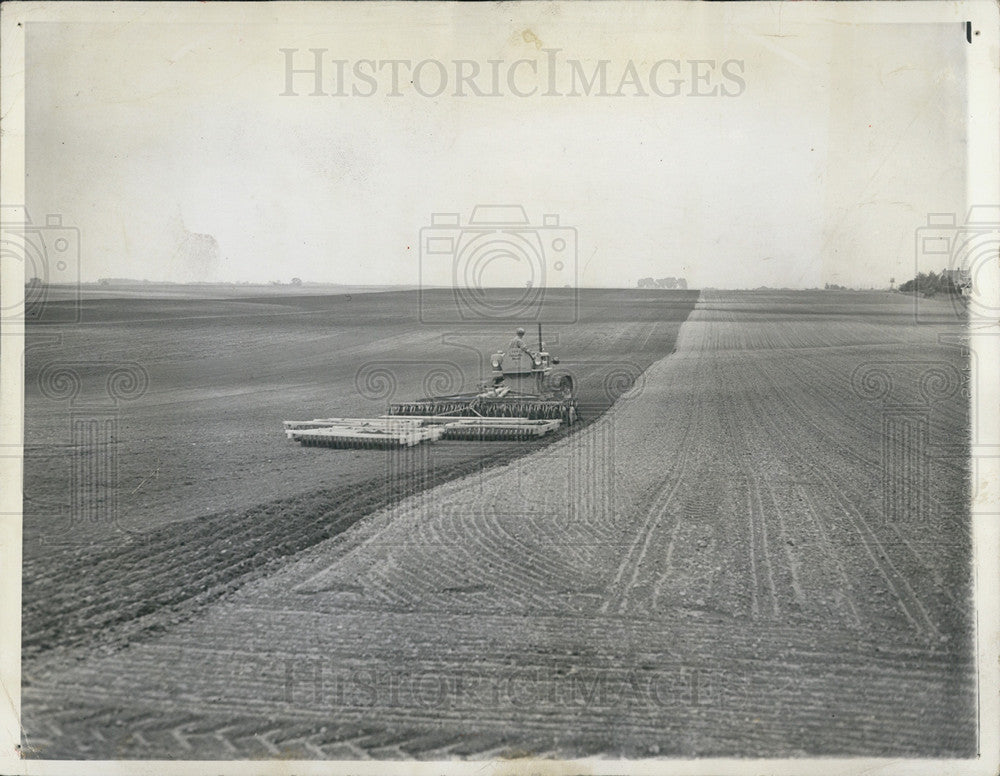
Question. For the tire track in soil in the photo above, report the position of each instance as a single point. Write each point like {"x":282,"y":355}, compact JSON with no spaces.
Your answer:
{"x":763,"y":601}
{"x":855,"y":420}
{"x":855,"y":452}
{"x":701,"y":512}
{"x":763,"y":596}
{"x":845,"y":601}
{"x":907,"y":600}
{"x":617,"y":597}
{"x":682,"y":514}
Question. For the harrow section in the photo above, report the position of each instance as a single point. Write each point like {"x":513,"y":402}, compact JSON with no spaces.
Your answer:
{"x":392,"y":431}
{"x":360,"y":432}
{"x":513,"y":406}
{"x":488,"y":429}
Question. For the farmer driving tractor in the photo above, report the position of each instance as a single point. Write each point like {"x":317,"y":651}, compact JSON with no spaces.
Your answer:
{"x":521,"y":363}
{"x":517,"y":346}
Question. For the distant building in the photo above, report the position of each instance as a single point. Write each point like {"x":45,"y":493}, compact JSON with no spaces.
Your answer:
{"x":662,"y":283}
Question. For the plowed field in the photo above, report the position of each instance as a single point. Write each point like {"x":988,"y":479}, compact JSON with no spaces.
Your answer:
{"x":762,"y":549}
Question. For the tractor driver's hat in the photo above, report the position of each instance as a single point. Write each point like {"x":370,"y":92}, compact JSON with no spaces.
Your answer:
{"x":520,"y":332}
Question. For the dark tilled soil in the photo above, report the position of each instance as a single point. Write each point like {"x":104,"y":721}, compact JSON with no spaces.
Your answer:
{"x":84,"y":596}
{"x":206,"y":492}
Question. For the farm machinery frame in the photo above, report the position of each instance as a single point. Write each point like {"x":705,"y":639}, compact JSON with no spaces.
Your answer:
{"x":523,"y":400}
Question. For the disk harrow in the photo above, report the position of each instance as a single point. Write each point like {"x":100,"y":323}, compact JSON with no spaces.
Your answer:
{"x":522,"y":401}
{"x":476,"y":405}
{"x":390,"y":432}
{"x":490,"y":429}
{"x":344,"y":433}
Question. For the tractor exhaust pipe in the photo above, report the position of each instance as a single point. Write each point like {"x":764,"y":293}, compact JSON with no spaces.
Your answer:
{"x":540,"y":348}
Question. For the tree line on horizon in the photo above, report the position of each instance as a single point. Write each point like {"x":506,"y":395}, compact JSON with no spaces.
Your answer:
{"x":951,"y":282}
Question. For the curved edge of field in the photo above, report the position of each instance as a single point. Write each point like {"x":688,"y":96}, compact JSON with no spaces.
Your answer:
{"x":102,"y":595}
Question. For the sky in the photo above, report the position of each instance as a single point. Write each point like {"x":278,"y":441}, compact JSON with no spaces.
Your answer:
{"x":793,"y":155}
